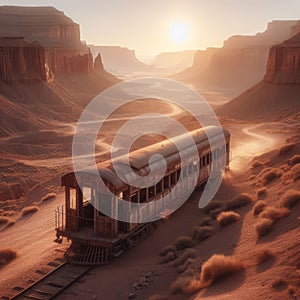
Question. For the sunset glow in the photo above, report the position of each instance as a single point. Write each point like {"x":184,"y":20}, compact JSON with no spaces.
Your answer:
{"x":179,"y":32}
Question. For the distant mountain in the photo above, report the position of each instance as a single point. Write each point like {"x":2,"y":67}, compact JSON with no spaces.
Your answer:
{"x":277,"y":96}
{"x":174,"y":61}
{"x":119,"y":59}
{"x":240,"y":63}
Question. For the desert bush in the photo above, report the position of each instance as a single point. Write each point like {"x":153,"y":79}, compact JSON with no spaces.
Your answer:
{"x":215,"y":212}
{"x":213,"y":205}
{"x":219,"y":266}
{"x":188,"y":253}
{"x":29,"y":210}
{"x":10,"y":223}
{"x":274,"y":213}
{"x":263,"y":255}
{"x":238,"y":201}
{"x":207,"y":221}
{"x":295,"y":171}
{"x":4,"y":220}
{"x":295,"y":159}
{"x":7,"y":255}
{"x":261,"y":192}
{"x":286,"y":149}
{"x":259,"y":207}
{"x":170,"y":256}
{"x":169,"y":248}
{"x":256,"y":164}
{"x":290,"y":199}
{"x":180,"y":284}
{"x":48,"y":197}
{"x":228,"y":217}
{"x":158,"y":297}
{"x":184,"y":242}
{"x":278,"y":283}
{"x":200,"y":233}
{"x":263,"y":227}
{"x":270,"y":175}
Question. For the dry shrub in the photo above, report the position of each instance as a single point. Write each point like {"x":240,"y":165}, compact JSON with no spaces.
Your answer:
{"x":213,"y":205}
{"x":263,"y":255}
{"x":169,"y":248}
{"x":261,"y":192}
{"x":238,"y":201}
{"x":274,"y":213}
{"x":48,"y":197}
{"x":228,"y":217}
{"x":215,"y":212}
{"x":189,"y":253}
{"x":180,"y":285}
{"x":201,"y":233}
{"x":286,"y":148}
{"x":270,"y":175}
{"x":7,"y":255}
{"x":259,"y":207}
{"x":290,"y":199}
{"x":158,"y":297}
{"x":279,"y":282}
{"x":170,"y":256}
{"x":295,"y":159}
{"x":207,"y":221}
{"x":219,"y":266}
{"x":4,"y":220}
{"x":10,"y":223}
{"x":29,"y":210}
{"x":263,"y":227}
{"x":256,"y":164}
{"x":184,"y":242}
{"x":295,"y":171}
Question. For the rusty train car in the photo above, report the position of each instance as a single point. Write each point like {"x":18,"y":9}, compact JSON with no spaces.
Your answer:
{"x":97,"y":238}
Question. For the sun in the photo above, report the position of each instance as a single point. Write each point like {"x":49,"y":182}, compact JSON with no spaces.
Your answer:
{"x":179,"y":32}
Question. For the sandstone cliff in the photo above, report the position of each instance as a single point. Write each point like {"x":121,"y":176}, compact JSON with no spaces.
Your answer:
{"x":240,"y":63}
{"x":277,"y":96}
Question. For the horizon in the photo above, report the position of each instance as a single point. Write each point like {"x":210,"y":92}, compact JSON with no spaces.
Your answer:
{"x":176,"y":23}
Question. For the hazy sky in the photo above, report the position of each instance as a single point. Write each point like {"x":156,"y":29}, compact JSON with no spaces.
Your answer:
{"x":146,"y":26}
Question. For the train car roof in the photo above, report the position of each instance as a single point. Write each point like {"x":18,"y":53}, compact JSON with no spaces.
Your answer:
{"x":139,"y":159}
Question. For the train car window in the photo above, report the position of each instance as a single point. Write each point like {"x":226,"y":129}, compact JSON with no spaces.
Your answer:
{"x":159,"y":187}
{"x":134,"y":198}
{"x":143,"y":195}
{"x":86,"y":194}
{"x":151,"y":192}
{"x":173,"y":178}
{"x":178,"y":174}
{"x":73,"y":203}
{"x":166,"y":182}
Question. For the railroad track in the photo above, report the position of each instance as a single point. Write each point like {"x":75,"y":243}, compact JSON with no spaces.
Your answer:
{"x":53,"y":283}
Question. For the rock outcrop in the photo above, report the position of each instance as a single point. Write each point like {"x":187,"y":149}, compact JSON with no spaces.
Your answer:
{"x":98,"y":65}
{"x":240,"y":63}
{"x":277,"y":96}
{"x":47,"y":25}
{"x":284,"y":62}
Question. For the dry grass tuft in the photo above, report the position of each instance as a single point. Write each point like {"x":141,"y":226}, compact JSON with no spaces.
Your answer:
{"x":261,"y":192}
{"x":286,"y":148}
{"x":201,"y":233}
{"x":29,"y":210}
{"x":256,"y":164}
{"x":207,"y":221}
{"x":290,"y":199}
{"x":295,"y":160}
{"x":189,"y":253}
{"x":184,"y":242}
{"x":215,"y":212}
{"x":213,"y":205}
{"x":259,"y":207}
{"x":263,"y":255}
{"x":158,"y":297}
{"x":238,"y":201}
{"x":269,"y":175}
{"x":219,"y":266}
{"x":279,"y":282}
{"x":274,"y":213}
{"x":180,"y":285}
{"x":4,"y":220}
{"x":48,"y":197}
{"x":169,"y":248}
{"x":228,"y":217}
{"x":7,"y":255}
{"x":263,"y":227}
{"x":170,"y":256}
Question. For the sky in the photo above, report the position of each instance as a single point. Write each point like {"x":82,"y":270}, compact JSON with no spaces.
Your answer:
{"x":153,"y":26}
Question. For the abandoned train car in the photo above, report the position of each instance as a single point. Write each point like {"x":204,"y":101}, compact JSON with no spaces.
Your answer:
{"x":97,"y":238}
